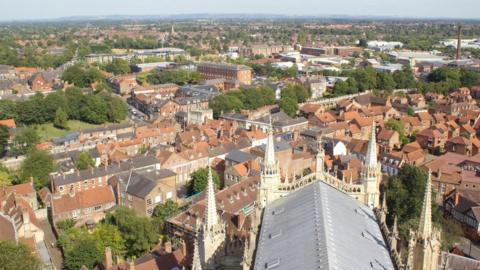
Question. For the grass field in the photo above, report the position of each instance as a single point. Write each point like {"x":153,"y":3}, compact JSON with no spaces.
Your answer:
{"x":48,"y":131}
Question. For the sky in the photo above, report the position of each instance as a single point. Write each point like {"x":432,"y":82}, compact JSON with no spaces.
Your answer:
{"x":47,"y":9}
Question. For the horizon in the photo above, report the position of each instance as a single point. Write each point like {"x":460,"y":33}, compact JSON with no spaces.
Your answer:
{"x":16,"y":11}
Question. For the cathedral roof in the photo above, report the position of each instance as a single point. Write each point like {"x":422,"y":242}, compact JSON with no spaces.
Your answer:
{"x":319,"y":227}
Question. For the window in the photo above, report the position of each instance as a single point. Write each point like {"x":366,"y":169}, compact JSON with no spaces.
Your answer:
{"x":169,"y":195}
{"x":99,"y":180}
{"x":60,"y":188}
{"x":97,"y":208}
{"x":158,"y":198}
{"x":149,"y":201}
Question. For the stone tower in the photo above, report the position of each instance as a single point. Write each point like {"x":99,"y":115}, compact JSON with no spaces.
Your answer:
{"x":371,"y":173}
{"x":212,"y":232}
{"x":424,"y":245}
{"x":270,"y":178}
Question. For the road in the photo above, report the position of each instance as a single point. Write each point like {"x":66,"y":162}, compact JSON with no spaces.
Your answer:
{"x":136,"y":115}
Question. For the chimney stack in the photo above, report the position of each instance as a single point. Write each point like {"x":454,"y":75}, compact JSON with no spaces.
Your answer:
{"x":457,"y":197}
{"x":108,"y":258}
{"x":168,"y":247}
{"x":131,"y":265}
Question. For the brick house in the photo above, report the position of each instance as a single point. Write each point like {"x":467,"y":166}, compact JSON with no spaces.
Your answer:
{"x":143,"y":190}
{"x":85,"y":205}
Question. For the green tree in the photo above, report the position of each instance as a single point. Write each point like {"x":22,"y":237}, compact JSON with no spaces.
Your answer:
{"x":61,"y":119}
{"x":289,"y":106}
{"x":95,"y":110}
{"x":180,"y":77}
{"x":75,"y":102}
{"x":469,"y":78}
{"x":82,"y":76}
{"x":362,"y":43}
{"x":107,"y":235}
{"x":225,"y":103}
{"x":443,"y":74}
{"x":4,"y":137}
{"x":138,"y":232}
{"x":410,"y":111}
{"x":84,"y":251}
{"x":15,"y":256}
{"x":385,"y":81}
{"x":65,"y":225}
{"x":340,"y":88}
{"x":117,"y":109}
{"x":399,"y":127}
{"x":37,"y":164}
{"x":118,"y":66}
{"x":84,"y":161}
{"x":162,"y":212}
{"x":24,"y":141}
{"x":199,"y":180}
{"x":404,"y":78}
{"x":366,"y":78}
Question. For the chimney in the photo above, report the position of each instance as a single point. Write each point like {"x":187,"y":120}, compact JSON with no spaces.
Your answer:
{"x":183,"y":246}
{"x":108,"y":258}
{"x":241,"y":220}
{"x":168,"y":247}
{"x":459,"y":41}
{"x":457,"y":197}
{"x":131,"y":265}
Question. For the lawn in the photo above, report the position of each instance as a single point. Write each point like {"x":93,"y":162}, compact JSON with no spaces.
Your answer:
{"x":48,"y":131}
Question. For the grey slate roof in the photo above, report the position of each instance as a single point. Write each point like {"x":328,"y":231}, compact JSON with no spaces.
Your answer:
{"x":112,"y":169}
{"x":278,"y":146}
{"x":141,"y":183}
{"x":319,"y":227}
{"x":239,"y":156}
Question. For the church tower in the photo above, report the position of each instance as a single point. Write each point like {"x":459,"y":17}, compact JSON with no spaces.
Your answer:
{"x":212,"y":232}
{"x":371,"y":173}
{"x":424,"y":245}
{"x":270,"y":178}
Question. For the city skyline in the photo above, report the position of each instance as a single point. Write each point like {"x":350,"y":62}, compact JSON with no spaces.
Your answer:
{"x":54,"y":9}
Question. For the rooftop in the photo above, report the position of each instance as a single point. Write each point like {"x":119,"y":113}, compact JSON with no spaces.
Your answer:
{"x":329,"y":229}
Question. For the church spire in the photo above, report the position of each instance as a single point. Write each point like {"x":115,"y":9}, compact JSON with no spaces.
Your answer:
{"x":371,"y":157}
{"x":395,"y":226}
{"x":425,"y":224}
{"x":270,"y":148}
{"x":211,"y":207}
{"x":196,"y":263}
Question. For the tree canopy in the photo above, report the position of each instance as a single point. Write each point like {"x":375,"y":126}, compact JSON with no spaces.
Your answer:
{"x":180,"y":77}
{"x":234,"y":101}
{"x":4,"y":136}
{"x":24,"y":141}
{"x":60,"y":106}
{"x":162,"y":212}
{"x":138,"y":232}
{"x":15,"y":256}
{"x":84,"y":161}
{"x":199,"y":180}
{"x":37,"y":164}
{"x":118,"y":66}
{"x":80,"y":247}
